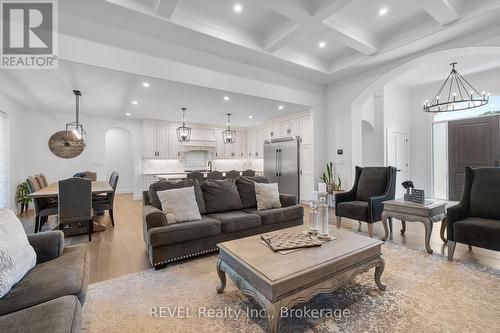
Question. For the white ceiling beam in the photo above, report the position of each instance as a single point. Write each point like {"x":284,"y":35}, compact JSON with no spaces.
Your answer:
{"x":329,"y":8}
{"x":360,"y":43}
{"x":283,"y":37}
{"x":166,"y":8}
{"x":441,"y":10}
{"x":286,"y":8}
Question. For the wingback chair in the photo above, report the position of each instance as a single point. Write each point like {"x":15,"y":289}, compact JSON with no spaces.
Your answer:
{"x":372,"y":186}
{"x":476,"y":219}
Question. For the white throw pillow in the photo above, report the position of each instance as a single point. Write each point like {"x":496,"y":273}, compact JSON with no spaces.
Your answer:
{"x":267,"y":195}
{"x":17,"y":256}
{"x":179,"y":205}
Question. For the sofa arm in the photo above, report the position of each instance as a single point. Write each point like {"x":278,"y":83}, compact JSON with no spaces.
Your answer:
{"x":47,"y":245}
{"x":454,"y":214}
{"x":153,"y":217}
{"x":288,"y":200}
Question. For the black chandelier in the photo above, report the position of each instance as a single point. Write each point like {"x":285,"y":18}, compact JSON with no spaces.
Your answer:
{"x":183,"y":132}
{"x":456,"y":94}
{"x":229,"y":135}
{"x":75,"y":133}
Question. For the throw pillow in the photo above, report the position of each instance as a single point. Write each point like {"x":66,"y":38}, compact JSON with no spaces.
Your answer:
{"x":164,"y":185}
{"x":246,"y":189}
{"x":17,"y":256}
{"x":179,"y":205}
{"x":220,"y":196}
{"x":268,"y":196}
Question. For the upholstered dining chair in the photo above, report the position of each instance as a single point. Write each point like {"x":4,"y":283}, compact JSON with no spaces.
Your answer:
{"x":215,"y":175}
{"x":248,"y":173}
{"x":43,"y":206}
{"x":195,"y":175}
{"x":364,"y":202}
{"x":233,"y":174}
{"x":106,"y":202}
{"x":475,"y":221}
{"x":75,"y":202}
{"x":45,"y":182}
{"x":40,"y":181}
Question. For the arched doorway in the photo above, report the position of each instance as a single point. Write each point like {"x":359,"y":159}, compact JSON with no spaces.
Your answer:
{"x":120,"y":157}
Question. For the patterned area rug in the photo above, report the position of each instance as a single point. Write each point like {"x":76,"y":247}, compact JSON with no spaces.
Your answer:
{"x":425,"y":293}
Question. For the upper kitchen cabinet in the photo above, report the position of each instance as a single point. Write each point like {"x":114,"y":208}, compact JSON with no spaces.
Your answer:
{"x":174,"y":146}
{"x":290,"y":127}
{"x":155,"y":140}
{"x":238,"y":149}
{"x":273,"y":131}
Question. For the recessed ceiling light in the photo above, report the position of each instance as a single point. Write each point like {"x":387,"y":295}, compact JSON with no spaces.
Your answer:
{"x":226,"y":98}
{"x":250,"y":117}
{"x":281,"y":107}
{"x":383,"y":11}
{"x":135,"y":102}
{"x":145,"y":84}
{"x":128,"y":114}
{"x":238,"y":8}
{"x":322,"y":44}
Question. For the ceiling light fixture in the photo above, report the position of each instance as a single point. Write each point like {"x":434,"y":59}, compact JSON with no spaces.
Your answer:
{"x":383,"y":11}
{"x":183,"y":132}
{"x":145,"y":84}
{"x":250,"y":117}
{"x":226,"y":98}
{"x":321,"y":45}
{"x":281,"y":107}
{"x":456,"y":94}
{"x":135,"y":102}
{"x":74,"y":130}
{"x":229,"y":135}
{"x":128,"y":114}
{"x":238,"y":8}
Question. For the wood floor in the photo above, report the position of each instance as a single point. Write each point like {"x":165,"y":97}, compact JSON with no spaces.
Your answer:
{"x":120,"y":250}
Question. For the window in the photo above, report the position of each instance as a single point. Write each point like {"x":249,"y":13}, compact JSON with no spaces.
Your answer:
{"x":4,"y":183}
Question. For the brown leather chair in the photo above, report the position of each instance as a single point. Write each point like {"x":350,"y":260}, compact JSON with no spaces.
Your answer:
{"x":196,"y":175}
{"x":233,"y":174}
{"x":215,"y":175}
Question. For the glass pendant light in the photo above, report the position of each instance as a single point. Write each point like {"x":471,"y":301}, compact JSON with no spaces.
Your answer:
{"x":229,"y":135}
{"x":75,"y":133}
{"x":183,"y":132}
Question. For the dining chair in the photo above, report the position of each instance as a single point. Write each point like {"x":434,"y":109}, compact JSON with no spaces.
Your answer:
{"x":101,"y":203}
{"x":45,"y":183}
{"x":195,"y":175}
{"x":248,"y":173}
{"x":43,"y":206}
{"x":40,"y":181}
{"x":215,"y":175}
{"x":233,"y":174}
{"x":90,"y":175}
{"x":75,"y":202}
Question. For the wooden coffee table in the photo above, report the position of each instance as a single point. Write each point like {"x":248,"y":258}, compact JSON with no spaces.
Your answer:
{"x":430,"y":212}
{"x":279,"y":281}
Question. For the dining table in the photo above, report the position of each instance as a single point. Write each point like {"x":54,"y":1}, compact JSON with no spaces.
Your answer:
{"x":52,"y":191}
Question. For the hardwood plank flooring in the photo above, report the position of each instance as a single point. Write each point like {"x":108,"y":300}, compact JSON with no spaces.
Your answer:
{"x":120,"y":250}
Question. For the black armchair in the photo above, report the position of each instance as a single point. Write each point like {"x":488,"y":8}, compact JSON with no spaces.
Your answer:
{"x":364,"y":202}
{"x":476,"y":219}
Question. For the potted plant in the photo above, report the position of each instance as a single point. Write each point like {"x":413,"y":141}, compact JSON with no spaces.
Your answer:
{"x":22,"y":196}
{"x":408,"y":185}
{"x":329,"y":179}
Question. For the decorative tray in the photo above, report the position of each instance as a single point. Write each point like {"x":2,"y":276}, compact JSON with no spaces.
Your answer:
{"x":289,"y":240}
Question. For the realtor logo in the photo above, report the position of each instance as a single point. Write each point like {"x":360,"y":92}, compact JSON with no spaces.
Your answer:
{"x":29,"y":34}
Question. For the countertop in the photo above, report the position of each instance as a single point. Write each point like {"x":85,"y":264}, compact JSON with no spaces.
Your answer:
{"x":181,"y":174}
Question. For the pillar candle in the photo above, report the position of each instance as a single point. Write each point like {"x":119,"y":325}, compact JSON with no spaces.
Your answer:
{"x":321,"y":187}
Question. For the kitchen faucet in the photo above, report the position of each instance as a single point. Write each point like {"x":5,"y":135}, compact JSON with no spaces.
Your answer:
{"x":210,"y":166}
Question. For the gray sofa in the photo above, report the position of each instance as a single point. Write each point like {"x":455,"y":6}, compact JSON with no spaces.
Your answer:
{"x":50,"y":296}
{"x":228,"y":211}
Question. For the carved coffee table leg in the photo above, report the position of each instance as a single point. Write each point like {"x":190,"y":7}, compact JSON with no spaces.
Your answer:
{"x":384,"y":223}
{"x":403,"y":226}
{"x":378,"y":273}
{"x":428,"y":232}
{"x":222,"y":277}
{"x":444,"y":224}
{"x":273,"y":317}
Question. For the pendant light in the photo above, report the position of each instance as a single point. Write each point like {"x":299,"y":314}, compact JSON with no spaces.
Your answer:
{"x":229,"y":135}
{"x":183,"y":132}
{"x":456,"y":94}
{"x":75,"y":133}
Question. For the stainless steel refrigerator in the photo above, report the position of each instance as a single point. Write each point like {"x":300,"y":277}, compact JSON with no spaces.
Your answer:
{"x":281,"y":164}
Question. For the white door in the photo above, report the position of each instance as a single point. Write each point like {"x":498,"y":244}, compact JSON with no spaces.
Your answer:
{"x":397,"y":156}
{"x":305,"y":130}
{"x":306,"y":182}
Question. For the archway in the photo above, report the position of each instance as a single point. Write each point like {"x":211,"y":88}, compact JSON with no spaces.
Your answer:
{"x":119,"y":157}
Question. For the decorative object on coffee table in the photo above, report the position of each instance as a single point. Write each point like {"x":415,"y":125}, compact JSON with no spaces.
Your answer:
{"x":428,"y":213}
{"x":408,"y":185}
{"x":324,"y":229}
{"x":314,"y":214}
{"x":280,"y":282}
{"x":288,"y":240}
{"x":417,"y":196}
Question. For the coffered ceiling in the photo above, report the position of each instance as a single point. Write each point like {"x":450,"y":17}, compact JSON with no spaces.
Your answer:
{"x":285,"y":35}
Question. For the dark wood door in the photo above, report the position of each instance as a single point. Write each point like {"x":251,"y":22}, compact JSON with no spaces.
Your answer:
{"x":471,"y":142}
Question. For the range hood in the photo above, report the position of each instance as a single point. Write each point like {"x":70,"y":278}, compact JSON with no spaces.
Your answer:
{"x":194,"y":145}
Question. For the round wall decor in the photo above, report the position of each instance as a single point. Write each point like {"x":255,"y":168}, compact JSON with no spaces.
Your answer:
{"x":62,"y":145}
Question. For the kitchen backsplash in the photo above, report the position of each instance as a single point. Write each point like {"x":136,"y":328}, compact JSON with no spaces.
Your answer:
{"x":171,"y":166}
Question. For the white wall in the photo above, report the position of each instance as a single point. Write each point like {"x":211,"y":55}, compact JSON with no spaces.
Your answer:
{"x":119,"y":157}
{"x":16,"y":147}
{"x":396,"y":111}
{"x":373,"y":131}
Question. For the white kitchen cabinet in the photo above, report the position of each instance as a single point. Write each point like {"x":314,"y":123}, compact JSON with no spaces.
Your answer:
{"x":251,"y":144}
{"x":290,"y":127}
{"x":259,"y":141}
{"x":273,"y":131}
{"x":162,"y":141}
{"x":155,"y":141}
{"x":174,"y":146}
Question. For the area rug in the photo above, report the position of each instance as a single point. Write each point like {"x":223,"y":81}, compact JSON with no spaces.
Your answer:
{"x":425,"y":293}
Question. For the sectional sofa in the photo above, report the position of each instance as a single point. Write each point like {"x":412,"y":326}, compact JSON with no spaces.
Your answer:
{"x":228,"y":211}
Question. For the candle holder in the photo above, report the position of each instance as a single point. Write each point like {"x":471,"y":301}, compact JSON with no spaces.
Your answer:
{"x":324,"y":228}
{"x":313,"y":218}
